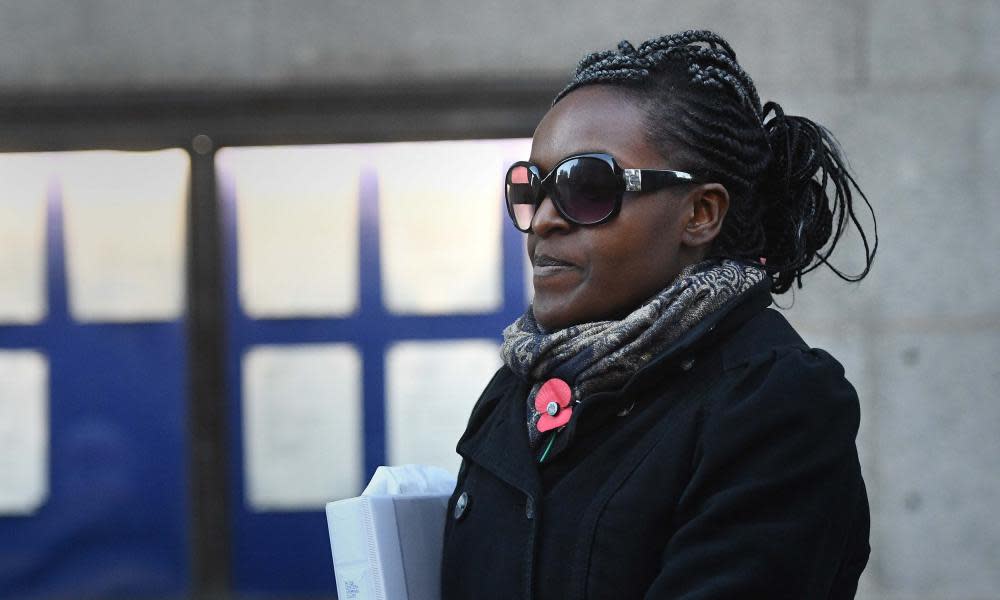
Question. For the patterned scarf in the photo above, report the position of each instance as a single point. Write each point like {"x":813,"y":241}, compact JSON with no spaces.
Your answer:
{"x":603,"y":356}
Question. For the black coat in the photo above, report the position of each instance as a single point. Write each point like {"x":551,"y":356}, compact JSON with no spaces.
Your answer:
{"x":734,"y":475}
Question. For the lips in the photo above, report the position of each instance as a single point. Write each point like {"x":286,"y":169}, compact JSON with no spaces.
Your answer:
{"x":546,"y":265}
{"x":544,"y":260}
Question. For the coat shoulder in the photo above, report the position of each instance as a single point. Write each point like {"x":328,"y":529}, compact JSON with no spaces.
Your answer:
{"x":785,"y":384}
{"x":766,"y":332}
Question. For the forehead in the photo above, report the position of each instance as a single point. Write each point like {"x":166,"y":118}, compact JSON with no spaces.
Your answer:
{"x":595,"y":119}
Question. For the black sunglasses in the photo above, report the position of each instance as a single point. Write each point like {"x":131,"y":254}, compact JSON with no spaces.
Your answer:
{"x":586,"y":189}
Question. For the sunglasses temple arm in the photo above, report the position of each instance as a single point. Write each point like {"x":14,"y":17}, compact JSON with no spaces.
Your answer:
{"x":650,"y":180}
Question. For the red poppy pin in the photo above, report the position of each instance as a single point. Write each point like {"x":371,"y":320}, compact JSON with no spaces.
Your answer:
{"x":552,"y":401}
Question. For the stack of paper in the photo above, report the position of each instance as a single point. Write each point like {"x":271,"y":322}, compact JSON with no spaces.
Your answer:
{"x":387,"y":547}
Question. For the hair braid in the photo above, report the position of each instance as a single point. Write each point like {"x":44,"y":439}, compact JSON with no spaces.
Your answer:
{"x":704,"y":111}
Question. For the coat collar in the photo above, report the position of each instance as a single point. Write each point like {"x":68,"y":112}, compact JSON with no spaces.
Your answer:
{"x":499,"y":441}
{"x":709,"y":332}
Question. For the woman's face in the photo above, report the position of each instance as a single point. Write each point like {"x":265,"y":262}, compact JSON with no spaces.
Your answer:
{"x":600,"y":272}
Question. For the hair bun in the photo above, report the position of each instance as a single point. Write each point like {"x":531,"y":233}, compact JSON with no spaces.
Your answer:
{"x":802,"y":223}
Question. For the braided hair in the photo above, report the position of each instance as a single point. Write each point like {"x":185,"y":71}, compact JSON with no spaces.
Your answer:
{"x":704,"y":107}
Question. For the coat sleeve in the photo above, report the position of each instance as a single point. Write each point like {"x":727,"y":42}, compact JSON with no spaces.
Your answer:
{"x":776,"y":500}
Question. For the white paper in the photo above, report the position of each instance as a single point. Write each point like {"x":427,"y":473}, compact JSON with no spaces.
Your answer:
{"x":440,"y":209}
{"x":23,"y":184}
{"x":388,"y":547}
{"x":297,"y":229}
{"x":124,"y":224}
{"x":401,"y":480}
{"x":430,"y":391}
{"x":350,"y":526}
{"x":24,"y":431}
{"x":302,"y":425}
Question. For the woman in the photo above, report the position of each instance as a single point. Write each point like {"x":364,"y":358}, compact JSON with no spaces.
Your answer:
{"x":657,"y":431}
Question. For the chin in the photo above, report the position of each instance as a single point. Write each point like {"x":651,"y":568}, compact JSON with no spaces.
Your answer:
{"x":550,"y":320}
{"x":544,"y":322}
{"x":561,"y":316}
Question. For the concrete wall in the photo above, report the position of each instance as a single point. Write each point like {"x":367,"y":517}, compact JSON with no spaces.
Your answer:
{"x":124,"y":44}
{"x":909,"y":86}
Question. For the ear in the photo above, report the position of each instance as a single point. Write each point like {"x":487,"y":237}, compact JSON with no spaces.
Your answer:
{"x":708,"y":204}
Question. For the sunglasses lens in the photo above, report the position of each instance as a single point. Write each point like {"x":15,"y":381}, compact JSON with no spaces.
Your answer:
{"x":522,"y":194}
{"x":587,"y":189}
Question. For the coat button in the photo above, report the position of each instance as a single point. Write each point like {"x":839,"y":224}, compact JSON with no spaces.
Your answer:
{"x":529,"y":509}
{"x":461,"y":505}
{"x":687,"y":364}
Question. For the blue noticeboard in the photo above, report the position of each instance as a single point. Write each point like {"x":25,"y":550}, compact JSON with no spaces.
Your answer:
{"x":287,"y":553}
{"x":115,"y":521}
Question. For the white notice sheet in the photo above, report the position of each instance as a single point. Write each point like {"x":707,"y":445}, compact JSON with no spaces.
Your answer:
{"x":302,"y":425}
{"x":431,"y":389}
{"x":24,"y":431}
{"x":125,"y":225}
{"x":24,"y":180}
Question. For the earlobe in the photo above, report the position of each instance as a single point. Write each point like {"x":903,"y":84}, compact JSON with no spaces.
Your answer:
{"x":708,"y":204}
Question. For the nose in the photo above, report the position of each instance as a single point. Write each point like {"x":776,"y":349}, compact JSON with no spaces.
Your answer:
{"x":547,"y":219}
